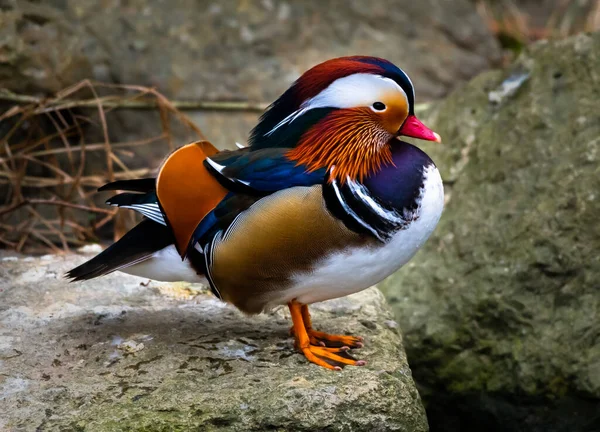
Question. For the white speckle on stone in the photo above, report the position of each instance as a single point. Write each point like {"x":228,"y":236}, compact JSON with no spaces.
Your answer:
{"x":246,"y":34}
{"x":508,"y":87}
{"x":113,"y":358}
{"x":215,"y":9}
{"x":236,"y":350}
{"x":268,"y":4}
{"x":116,"y":340}
{"x":10,"y":258}
{"x":33,"y":275}
{"x":391,"y":324}
{"x":131,"y":347}
{"x":284,"y":12}
{"x":6,"y":346}
{"x":90,"y":249}
{"x":12,"y":385}
{"x":591,"y":153}
{"x":79,"y":365}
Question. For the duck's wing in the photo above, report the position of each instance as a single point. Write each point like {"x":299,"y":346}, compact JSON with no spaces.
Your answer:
{"x":180,"y":197}
{"x":249,"y":176}
{"x":192,"y":199}
{"x":261,"y":171}
{"x":146,"y":204}
{"x":183,"y":193}
{"x":187,"y":192}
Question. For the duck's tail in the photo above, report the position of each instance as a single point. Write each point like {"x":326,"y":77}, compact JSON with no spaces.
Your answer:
{"x":139,"y":244}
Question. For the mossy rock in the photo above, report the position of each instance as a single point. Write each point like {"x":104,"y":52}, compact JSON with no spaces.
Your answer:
{"x":117,"y":354}
{"x":504,"y":299}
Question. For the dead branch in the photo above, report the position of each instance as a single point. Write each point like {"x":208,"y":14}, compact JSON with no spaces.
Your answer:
{"x":14,"y":207}
{"x":119,"y":103}
{"x":44,"y":155}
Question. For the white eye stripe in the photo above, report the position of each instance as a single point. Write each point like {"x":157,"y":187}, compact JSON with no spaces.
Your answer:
{"x":356,"y":90}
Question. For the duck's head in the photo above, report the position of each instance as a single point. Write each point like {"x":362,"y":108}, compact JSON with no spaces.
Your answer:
{"x":345,"y":112}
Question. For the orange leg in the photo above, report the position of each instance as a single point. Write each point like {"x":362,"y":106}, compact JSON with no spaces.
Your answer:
{"x":328,"y":357}
{"x":326,"y":339}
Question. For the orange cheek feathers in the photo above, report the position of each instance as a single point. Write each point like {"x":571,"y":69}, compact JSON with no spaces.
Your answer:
{"x":395,"y":114}
{"x":351,"y":139}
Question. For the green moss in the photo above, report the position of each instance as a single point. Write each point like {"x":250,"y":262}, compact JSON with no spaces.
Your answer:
{"x":502,"y":296}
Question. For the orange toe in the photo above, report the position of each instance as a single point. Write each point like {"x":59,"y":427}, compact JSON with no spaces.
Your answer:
{"x":330,"y":358}
{"x":328,"y":351}
{"x":330,"y":340}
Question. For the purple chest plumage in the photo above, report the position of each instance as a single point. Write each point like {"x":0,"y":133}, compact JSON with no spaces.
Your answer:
{"x":398,"y":185}
{"x":382,"y":204}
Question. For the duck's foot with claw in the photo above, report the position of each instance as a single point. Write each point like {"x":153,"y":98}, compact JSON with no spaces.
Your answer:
{"x":323,"y":349}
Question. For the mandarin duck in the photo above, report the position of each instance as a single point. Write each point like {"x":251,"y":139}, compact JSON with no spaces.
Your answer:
{"x":325,"y":201}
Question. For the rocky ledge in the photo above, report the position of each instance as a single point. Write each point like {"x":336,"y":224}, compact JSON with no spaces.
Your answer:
{"x":118,"y":353}
{"x":501,"y":307}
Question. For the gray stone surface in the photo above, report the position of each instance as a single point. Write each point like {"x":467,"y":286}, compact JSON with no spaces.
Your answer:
{"x":234,"y":48}
{"x":112,"y":354}
{"x":505,"y":297}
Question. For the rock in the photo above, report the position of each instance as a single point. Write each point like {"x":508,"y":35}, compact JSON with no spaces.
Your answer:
{"x":500,"y":309}
{"x":233,"y":49}
{"x":239,"y":49}
{"x":114,"y":354}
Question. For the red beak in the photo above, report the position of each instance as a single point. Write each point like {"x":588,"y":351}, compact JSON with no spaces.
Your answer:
{"x":413,"y":127}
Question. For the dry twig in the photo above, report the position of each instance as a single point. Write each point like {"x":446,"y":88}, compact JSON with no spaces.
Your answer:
{"x":44,"y":165}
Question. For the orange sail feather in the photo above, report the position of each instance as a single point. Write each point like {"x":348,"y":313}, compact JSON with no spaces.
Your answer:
{"x":187,"y":192}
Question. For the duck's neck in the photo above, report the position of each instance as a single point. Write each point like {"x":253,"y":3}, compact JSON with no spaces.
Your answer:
{"x":385,"y":202}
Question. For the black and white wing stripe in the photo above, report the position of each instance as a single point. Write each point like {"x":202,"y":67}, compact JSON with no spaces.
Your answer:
{"x":146,"y":204}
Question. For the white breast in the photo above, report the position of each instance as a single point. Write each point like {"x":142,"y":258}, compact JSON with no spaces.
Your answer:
{"x":355,"y":269}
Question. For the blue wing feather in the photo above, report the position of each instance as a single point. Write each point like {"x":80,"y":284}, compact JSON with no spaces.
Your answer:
{"x":264,"y":171}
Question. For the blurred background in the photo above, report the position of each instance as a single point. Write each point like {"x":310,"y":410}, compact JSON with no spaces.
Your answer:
{"x":96,"y":91}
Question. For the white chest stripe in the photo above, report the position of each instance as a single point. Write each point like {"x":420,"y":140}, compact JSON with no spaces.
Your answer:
{"x":351,"y":212}
{"x":361,"y":191}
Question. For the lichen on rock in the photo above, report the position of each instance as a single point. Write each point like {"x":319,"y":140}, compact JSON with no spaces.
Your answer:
{"x":505,"y":297}
{"x":114,"y":354}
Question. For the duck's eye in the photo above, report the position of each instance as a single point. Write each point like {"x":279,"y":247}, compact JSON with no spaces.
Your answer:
{"x":378,"y":106}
